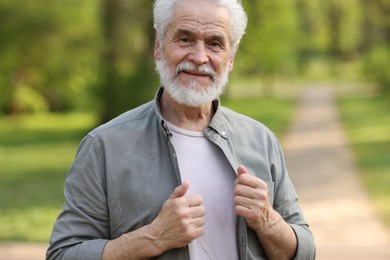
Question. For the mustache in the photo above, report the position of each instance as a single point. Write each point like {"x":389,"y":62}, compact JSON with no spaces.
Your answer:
{"x":188,"y":66}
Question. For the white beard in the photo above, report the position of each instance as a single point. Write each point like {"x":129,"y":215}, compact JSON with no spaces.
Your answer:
{"x":191,"y":94}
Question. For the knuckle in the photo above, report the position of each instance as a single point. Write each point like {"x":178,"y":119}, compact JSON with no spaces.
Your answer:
{"x":177,"y":202}
{"x":183,"y":215}
{"x":202,"y":210}
{"x":194,"y":233}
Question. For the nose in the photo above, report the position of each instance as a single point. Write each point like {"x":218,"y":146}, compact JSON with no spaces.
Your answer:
{"x":199,"y":54}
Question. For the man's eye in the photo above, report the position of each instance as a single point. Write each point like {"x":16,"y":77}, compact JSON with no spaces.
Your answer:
{"x":184,"y":40}
{"x":215,"y":44}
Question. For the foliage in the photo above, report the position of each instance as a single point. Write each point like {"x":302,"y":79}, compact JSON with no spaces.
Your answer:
{"x":270,"y":44}
{"x":274,"y":113}
{"x":376,"y":59}
{"x":377,"y":67}
{"x":50,"y":48}
{"x":35,"y":153}
{"x":367,"y":121}
{"x":376,"y":17}
{"x":343,"y":20}
{"x":312,"y":28}
{"x":127,"y":71}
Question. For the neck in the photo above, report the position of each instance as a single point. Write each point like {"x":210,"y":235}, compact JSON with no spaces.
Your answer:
{"x":186,"y":117}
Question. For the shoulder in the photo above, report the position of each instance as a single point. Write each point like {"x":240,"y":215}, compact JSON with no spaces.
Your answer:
{"x":244,"y":122}
{"x":130,"y":120}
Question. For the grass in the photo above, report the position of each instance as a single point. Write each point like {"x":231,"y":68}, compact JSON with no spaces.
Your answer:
{"x":367,"y":123}
{"x":35,"y":153}
{"x":275,"y":113}
{"x":37,"y":150}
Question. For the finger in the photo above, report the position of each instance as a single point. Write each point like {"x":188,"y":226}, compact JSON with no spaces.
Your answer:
{"x":198,"y":222}
{"x":194,"y":200}
{"x":242,"y":211}
{"x":248,"y":214}
{"x":246,"y":179}
{"x":251,"y":188}
{"x":180,"y":191}
{"x":248,"y":202}
{"x":242,"y":170}
{"x":244,"y":191}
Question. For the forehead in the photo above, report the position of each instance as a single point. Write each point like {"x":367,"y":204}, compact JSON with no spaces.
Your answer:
{"x":200,"y":16}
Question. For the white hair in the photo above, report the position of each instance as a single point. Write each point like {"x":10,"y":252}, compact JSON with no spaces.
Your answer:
{"x":163,"y":10}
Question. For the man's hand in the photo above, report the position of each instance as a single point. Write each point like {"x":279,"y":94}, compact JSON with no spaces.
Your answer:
{"x":180,"y":220}
{"x":251,"y":200}
{"x":252,"y":203}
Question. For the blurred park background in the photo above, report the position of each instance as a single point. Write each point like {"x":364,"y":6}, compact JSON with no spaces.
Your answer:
{"x":67,"y":66}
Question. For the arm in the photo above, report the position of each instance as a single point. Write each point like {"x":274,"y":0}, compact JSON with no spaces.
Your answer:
{"x":82,"y":230}
{"x":251,"y":202}
{"x":180,"y":221}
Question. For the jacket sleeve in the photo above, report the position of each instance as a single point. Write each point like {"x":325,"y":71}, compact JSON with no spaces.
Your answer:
{"x":286,"y":204}
{"x":82,"y":228}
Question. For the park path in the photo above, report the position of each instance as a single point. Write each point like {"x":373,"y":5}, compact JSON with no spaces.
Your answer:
{"x":22,"y":251}
{"x":340,"y":214}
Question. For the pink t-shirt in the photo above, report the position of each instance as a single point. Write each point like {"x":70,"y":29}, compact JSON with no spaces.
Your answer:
{"x":210,"y":175}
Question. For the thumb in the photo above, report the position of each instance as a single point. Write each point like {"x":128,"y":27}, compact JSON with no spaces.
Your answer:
{"x":180,"y":190}
{"x":242,"y":170}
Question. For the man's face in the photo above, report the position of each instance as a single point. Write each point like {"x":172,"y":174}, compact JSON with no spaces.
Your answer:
{"x":196,"y":58}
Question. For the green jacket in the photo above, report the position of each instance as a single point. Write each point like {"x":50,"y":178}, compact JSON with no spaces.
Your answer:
{"x":126,"y":169}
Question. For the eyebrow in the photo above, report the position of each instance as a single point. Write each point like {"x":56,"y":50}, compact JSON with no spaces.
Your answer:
{"x":219,"y":38}
{"x":183,"y":32}
{"x":215,"y":37}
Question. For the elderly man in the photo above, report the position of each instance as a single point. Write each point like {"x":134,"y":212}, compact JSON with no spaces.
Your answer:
{"x":182,"y":177}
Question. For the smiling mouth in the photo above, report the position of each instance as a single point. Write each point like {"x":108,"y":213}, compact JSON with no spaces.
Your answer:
{"x":197,"y":73}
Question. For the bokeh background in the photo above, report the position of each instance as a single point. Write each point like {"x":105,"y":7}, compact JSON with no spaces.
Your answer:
{"x":67,"y":66}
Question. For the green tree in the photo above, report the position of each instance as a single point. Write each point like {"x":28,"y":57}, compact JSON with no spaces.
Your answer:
{"x":312,"y":28}
{"x":270,"y":42}
{"x":128,"y":77}
{"x":268,"y":50}
{"x":376,"y":42}
{"x":376,"y":27}
{"x":48,"y":54}
{"x":344,"y":27}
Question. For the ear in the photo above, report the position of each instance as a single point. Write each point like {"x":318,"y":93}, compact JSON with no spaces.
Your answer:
{"x":231,"y":64}
{"x":157,"y":48}
{"x":232,"y":57}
